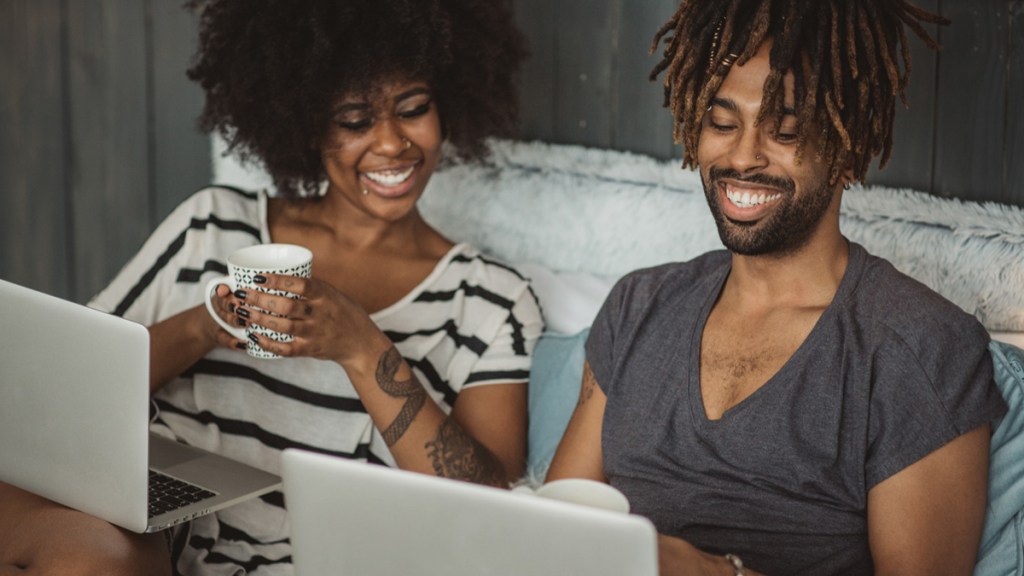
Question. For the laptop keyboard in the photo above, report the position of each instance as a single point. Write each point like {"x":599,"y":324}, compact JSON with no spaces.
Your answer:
{"x":166,"y":493}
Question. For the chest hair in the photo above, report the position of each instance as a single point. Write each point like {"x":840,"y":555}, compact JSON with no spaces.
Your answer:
{"x":740,"y":354}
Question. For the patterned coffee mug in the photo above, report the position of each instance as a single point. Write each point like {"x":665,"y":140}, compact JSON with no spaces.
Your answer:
{"x":262,"y":259}
{"x":585,"y":492}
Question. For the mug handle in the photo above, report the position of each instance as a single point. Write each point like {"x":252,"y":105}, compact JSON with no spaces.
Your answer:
{"x":211,"y":290}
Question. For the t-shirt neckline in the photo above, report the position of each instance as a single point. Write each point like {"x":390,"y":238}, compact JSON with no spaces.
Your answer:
{"x":439,"y":268}
{"x":695,"y":396}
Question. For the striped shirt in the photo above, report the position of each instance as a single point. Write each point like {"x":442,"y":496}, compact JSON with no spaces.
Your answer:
{"x":471,"y":322}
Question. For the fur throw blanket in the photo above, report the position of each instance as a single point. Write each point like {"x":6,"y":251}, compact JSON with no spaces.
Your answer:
{"x":602,"y":212}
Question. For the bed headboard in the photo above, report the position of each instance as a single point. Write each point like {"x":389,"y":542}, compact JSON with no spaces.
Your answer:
{"x":591,"y":211}
{"x":578,"y":218}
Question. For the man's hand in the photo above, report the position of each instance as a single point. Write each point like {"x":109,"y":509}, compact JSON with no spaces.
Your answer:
{"x":677,"y":557}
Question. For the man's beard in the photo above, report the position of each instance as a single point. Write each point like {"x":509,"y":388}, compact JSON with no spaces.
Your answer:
{"x":787,"y":228}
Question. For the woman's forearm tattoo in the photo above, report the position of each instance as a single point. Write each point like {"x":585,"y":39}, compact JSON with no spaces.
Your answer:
{"x":410,"y":389}
{"x":456,"y":454}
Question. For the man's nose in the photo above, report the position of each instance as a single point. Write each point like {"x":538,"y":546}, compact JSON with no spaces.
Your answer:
{"x":747,"y":154}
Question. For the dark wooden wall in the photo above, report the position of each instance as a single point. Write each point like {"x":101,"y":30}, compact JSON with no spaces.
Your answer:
{"x":97,"y":135}
{"x":962,"y":137}
{"x":98,"y":140}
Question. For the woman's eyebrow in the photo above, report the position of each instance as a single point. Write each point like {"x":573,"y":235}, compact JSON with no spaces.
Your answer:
{"x":360,"y":106}
{"x":412,"y":92}
{"x":351,"y":107}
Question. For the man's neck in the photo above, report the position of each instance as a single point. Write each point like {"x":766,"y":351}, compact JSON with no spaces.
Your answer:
{"x":805,"y":278}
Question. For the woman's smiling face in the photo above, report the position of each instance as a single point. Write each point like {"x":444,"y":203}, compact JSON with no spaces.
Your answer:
{"x":764,"y":199}
{"x":383,"y":147}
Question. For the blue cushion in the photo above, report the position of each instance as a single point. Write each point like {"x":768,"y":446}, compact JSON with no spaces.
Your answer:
{"x":555,"y":378}
{"x":1001,"y":542}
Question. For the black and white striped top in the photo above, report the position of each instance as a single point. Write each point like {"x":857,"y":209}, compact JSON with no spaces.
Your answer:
{"x":471,"y":322}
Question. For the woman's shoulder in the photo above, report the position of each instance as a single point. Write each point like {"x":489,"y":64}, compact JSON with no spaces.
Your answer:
{"x":471,"y":266}
{"x":218,"y":209}
{"x":222,"y":199}
{"x":486,"y":282}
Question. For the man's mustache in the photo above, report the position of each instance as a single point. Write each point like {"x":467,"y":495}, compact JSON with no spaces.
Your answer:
{"x":784,"y":184}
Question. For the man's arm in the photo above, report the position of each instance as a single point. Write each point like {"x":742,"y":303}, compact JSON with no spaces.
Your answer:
{"x":579,"y":452}
{"x":579,"y":456}
{"x":927,"y":518}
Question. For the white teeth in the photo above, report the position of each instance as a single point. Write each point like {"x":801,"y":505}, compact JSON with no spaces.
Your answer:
{"x":390,"y":177}
{"x":748,"y":200}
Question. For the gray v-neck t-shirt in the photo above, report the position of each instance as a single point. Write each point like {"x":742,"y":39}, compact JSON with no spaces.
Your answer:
{"x":890,"y":372}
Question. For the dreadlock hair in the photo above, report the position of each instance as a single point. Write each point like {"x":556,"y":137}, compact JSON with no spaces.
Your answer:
{"x":844,"y":55}
{"x":272,"y":71}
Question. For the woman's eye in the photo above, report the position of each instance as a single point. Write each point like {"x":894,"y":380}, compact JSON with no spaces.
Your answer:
{"x":719,"y":127}
{"x":354,"y":125}
{"x":785,"y":137}
{"x":417,"y":111}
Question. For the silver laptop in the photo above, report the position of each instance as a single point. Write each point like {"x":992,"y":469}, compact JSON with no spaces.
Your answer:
{"x":74,"y":420}
{"x":353,"y":518}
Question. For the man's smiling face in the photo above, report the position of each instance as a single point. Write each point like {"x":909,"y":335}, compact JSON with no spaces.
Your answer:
{"x":764,"y":200}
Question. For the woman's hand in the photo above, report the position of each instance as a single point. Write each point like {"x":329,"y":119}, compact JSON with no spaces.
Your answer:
{"x":179,"y":341}
{"x":325,"y":323}
{"x":225,"y":303}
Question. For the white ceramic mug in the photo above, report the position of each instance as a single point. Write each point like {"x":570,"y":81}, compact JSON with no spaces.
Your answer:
{"x":261,"y":259}
{"x":585,"y":492}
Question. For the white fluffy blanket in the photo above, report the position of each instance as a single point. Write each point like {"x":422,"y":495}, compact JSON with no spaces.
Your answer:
{"x":602,"y":212}
{"x":590,"y":215}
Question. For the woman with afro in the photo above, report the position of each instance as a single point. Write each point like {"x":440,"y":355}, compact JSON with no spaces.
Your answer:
{"x":409,"y":349}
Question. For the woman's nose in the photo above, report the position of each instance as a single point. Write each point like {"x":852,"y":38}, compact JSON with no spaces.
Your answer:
{"x":388,"y":139}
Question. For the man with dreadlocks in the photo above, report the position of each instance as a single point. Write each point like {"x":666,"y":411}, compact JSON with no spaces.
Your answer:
{"x":791,"y":405}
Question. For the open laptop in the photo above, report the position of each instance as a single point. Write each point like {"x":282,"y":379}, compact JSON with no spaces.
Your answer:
{"x":74,"y":420}
{"x":353,"y":518}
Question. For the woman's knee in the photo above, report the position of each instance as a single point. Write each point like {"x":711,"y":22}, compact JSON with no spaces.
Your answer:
{"x":41,"y":537}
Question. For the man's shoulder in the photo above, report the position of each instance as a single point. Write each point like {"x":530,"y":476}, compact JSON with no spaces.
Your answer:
{"x":658,"y":286}
{"x":909,"y":309}
{"x":686,"y":272}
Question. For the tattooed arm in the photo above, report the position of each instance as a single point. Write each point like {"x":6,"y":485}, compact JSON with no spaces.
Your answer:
{"x":453,"y":452}
{"x":484,"y":438}
{"x":456,"y":454}
{"x":579,"y":452}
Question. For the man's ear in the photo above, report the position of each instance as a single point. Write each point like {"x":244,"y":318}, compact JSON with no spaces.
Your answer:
{"x":845,"y":177}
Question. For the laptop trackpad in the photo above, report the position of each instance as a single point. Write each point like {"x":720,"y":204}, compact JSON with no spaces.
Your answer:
{"x":164,"y":453}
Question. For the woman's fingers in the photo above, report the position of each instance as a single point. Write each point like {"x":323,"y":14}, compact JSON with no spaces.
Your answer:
{"x":280,"y":324}
{"x":323,"y":322}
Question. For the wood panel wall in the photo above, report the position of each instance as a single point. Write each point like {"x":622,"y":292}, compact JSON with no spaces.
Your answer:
{"x":98,"y":140}
{"x":97,"y":135}
{"x":963,"y":135}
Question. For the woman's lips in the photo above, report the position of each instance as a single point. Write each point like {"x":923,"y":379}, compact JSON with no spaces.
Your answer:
{"x":390,"y":182}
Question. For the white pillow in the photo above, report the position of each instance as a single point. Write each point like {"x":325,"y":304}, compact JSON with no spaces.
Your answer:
{"x":569,"y":300}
